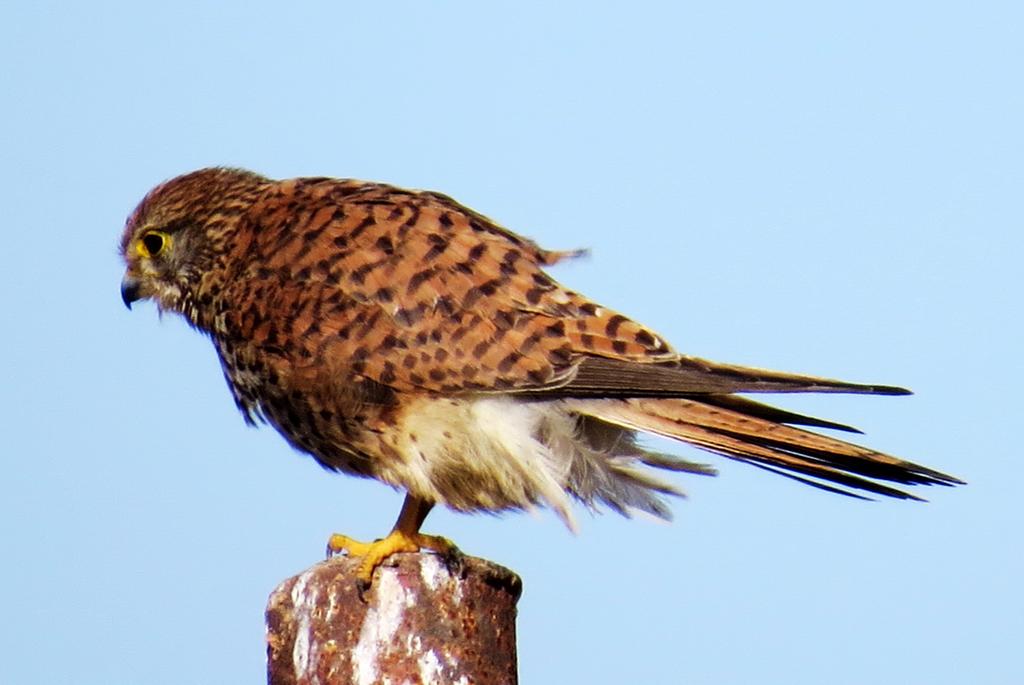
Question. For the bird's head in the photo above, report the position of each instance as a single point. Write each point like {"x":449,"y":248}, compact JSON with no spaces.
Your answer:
{"x":174,"y":237}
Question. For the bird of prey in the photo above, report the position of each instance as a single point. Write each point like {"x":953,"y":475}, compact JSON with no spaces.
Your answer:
{"x":398,"y":335}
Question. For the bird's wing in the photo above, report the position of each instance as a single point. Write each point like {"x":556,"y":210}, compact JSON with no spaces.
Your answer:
{"x":417,"y":292}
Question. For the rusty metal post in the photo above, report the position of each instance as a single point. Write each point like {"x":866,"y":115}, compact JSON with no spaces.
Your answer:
{"x":418,"y":623}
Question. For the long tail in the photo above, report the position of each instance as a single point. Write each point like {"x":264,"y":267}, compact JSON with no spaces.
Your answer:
{"x":757,"y":434}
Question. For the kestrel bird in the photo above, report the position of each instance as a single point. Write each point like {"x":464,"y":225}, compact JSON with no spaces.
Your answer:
{"x":398,"y":335}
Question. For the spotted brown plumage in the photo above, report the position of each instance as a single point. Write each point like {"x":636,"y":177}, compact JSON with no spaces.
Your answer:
{"x":398,"y":335}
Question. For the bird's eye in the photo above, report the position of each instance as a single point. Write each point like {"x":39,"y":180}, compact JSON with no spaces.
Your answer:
{"x":153,"y":243}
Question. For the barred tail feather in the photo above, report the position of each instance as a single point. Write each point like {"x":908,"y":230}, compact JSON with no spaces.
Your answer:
{"x":751,"y":432}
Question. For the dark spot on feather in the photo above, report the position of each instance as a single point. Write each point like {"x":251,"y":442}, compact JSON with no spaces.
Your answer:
{"x":464,"y":267}
{"x":440,"y":355}
{"x":529,"y":343}
{"x":588,"y":308}
{"x":445,"y":220}
{"x":473,"y":296}
{"x":376,"y":393}
{"x":409,"y":361}
{"x":363,"y":225}
{"x":414,"y":216}
{"x":555,"y":330}
{"x":418,"y":279}
{"x":644,"y":338}
{"x":421,"y":338}
{"x":341,"y":241}
{"x":481,"y":348}
{"x":434,"y":252}
{"x":417,"y":379}
{"x":445,"y":306}
{"x":387,"y":374}
{"x":408,"y":317}
{"x":490,"y":287}
{"x":562,"y":355}
{"x":612,"y":327}
{"x":468,"y":370}
{"x":359,"y":275}
{"x":587,"y":340}
{"x":368,"y":326}
{"x":538,"y":376}
{"x":506,"y":364}
{"x":533,"y":295}
{"x":437,"y":375}
{"x":477,"y":251}
{"x":503,"y":320}
{"x":384,"y":243}
{"x":391,"y":341}
{"x":385,"y":295}
{"x":501,"y":383}
{"x":619,"y":346}
{"x":542,"y":279}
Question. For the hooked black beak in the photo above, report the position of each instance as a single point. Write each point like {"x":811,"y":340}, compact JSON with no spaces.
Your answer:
{"x":129,"y":291}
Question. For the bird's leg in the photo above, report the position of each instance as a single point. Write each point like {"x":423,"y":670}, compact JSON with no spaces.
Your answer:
{"x":404,"y":537}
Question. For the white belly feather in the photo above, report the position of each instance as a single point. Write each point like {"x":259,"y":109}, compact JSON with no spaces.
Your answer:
{"x":502,"y":452}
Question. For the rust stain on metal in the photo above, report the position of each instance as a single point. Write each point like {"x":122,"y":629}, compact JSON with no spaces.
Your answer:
{"x":420,"y":623}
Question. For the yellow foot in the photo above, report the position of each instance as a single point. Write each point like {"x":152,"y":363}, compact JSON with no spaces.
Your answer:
{"x":374,"y":553}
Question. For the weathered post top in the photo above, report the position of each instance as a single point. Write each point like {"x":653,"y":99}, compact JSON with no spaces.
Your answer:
{"x":418,"y":623}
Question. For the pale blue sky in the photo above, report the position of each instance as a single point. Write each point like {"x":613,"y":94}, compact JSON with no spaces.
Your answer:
{"x":805,"y":186}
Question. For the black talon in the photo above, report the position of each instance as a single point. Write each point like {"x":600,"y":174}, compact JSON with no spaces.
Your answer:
{"x":453,"y":561}
{"x":362,"y":587}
